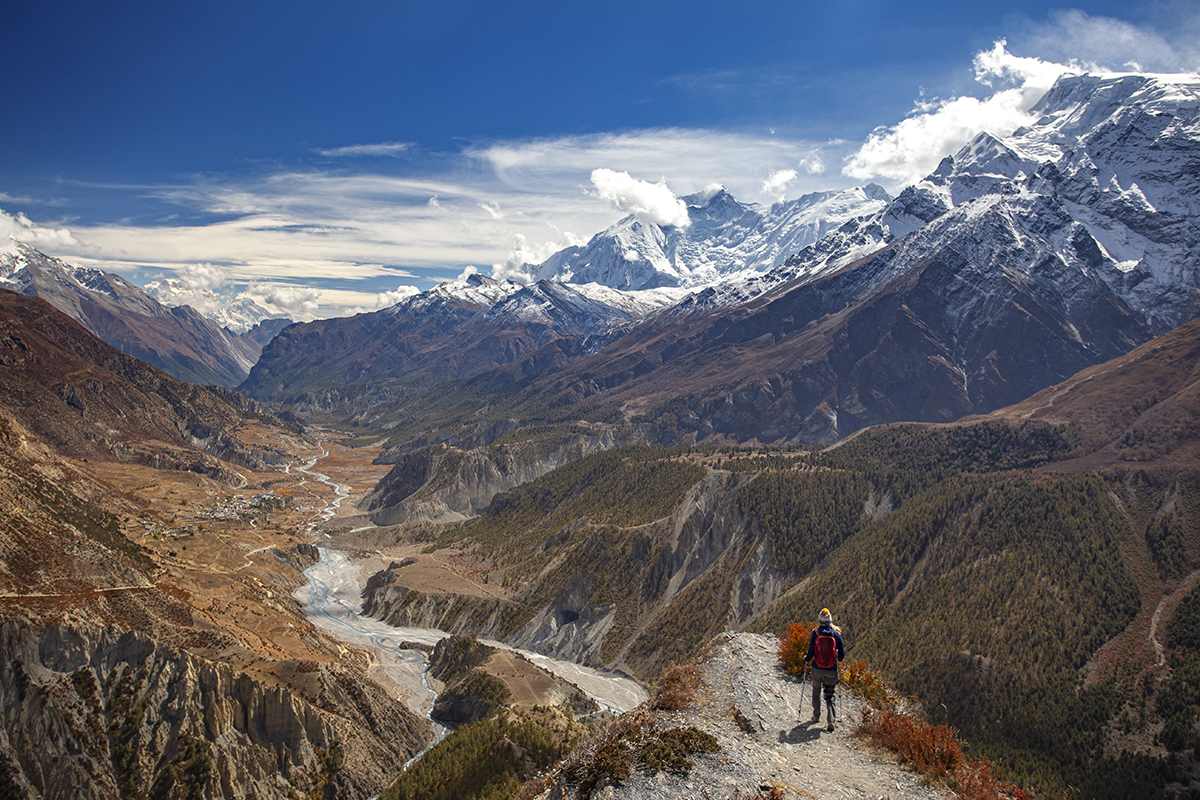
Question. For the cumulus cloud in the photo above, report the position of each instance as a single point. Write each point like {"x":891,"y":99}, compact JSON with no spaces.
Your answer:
{"x":523,"y":255}
{"x":776,"y":183}
{"x":194,"y":285}
{"x":399,"y":294}
{"x":649,"y":202}
{"x":911,"y":149}
{"x":21,"y":229}
{"x":295,"y":301}
{"x":390,"y":149}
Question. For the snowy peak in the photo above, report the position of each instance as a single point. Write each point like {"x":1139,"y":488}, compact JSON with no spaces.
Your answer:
{"x":726,"y":240}
{"x":474,"y":291}
{"x":713,"y":206}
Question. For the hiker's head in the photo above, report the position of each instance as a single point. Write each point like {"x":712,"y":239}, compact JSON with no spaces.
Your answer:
{"x":825,"y":618}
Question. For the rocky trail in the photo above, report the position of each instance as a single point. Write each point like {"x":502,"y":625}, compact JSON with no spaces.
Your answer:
{"x":759,"y":717}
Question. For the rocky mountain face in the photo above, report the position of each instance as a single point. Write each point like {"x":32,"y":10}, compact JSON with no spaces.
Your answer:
{"x":180,"y":341}
{"x":105,"y":713}
{"x":1142,"y":407}
{"x":725,"y":242}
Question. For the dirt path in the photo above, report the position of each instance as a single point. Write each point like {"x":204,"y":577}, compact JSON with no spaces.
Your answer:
{"x":759,"y":717}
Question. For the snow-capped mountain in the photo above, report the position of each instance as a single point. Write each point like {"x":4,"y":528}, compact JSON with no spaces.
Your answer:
{"x":456,"y":329}
{"x":726,"y":241}
{"x":180,"y":341}
{"x":1107,"y":181}
{"x":1021,"y":260}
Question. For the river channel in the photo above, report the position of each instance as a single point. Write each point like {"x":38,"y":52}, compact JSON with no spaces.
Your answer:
{"x":332,"y":600}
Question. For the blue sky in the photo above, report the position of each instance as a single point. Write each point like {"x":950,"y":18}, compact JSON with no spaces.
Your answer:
{"x":333,"y":157}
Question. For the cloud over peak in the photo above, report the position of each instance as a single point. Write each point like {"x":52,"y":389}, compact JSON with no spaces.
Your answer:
{"x":649,"y":202}
{"x":912,"y":148}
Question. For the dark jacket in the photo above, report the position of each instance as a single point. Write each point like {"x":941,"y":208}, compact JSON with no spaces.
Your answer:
{"x":812,"y":642}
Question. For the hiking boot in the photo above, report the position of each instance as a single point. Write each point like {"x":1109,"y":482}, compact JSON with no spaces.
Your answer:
{"x":830,"y":714}
{"x":830,"y":726}
{"x":816,"y":717}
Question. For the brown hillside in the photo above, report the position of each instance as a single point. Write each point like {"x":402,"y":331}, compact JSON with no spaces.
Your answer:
{"x":85,"y":399}
{"x":1141,"y":407}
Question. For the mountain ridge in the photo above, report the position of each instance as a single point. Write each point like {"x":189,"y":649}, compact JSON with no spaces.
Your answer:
{"x":180,"y":340}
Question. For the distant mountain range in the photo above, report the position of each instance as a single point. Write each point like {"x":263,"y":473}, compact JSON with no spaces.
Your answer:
{"x":1021,"y":260}
{"x":726,"y":241}
{"x":180,"y":341}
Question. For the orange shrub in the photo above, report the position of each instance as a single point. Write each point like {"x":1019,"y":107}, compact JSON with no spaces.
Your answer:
{"x":930,"y":749}
{"x":867,"y":685}
{"x":794,"y":646}
{"x":933,"y":751}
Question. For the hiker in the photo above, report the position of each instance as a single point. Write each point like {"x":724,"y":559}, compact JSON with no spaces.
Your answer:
{"x":825,"y":651}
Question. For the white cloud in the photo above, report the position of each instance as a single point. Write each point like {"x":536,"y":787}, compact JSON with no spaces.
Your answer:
{"x":295,"y":301}
{"x":197,"y":277}
{"x":813,"y":163}
{"x":524,"y":254}
{"x":493,"y":209}
{"x":631,"y":255}
{"x":389,"y":299}
{"x":911,"y":149}
{"x":194,"y":285}
{"x":776,"y":183}
{"x":391,"y":149}
{"x":20,"y":228}
{"x":649,"y":202}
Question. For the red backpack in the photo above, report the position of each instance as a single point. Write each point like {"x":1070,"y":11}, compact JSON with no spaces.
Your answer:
{"x":825,"y":652}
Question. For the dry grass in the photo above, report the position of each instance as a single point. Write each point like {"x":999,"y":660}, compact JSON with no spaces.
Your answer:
{"x":678,"y":688}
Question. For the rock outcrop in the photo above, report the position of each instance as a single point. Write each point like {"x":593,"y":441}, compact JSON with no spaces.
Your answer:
{"x":443,"y":484}
{"x":106,"y":713}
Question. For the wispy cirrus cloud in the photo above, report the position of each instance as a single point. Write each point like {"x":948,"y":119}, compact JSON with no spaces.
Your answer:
{"x":380,"y":149}
{"x":1074,"y":37}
